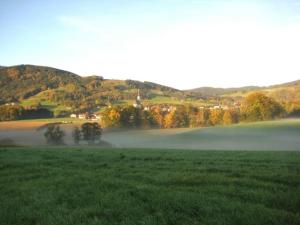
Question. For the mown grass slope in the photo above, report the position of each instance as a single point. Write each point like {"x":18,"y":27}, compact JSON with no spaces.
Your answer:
{"x":142,"y":186}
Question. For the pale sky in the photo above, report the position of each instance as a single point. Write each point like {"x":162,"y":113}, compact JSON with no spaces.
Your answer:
{"x":180,"y":43}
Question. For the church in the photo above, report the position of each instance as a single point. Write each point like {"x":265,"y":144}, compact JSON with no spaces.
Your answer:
{"x":138,"y":102}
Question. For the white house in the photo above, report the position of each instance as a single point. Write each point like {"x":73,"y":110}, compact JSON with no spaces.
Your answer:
{"x":73,"y":115}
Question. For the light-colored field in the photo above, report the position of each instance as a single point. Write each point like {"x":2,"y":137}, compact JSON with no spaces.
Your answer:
{"x":271,"y":135}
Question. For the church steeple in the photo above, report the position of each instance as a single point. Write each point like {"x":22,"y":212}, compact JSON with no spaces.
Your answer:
{"x":138,"y":103}
{"x":138,"y":98}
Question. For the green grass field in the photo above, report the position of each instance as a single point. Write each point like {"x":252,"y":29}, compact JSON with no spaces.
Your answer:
{"x":77,"y":185}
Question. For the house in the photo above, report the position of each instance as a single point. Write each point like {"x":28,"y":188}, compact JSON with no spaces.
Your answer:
{"x":73,"y":115}
{"x":83,"y":116}
{"x":217,"y":107}
{"x":11,"y":103}
{"x":94,"y":117}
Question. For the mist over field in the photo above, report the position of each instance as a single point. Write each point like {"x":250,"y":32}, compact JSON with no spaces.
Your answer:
{"x":270,"y":135}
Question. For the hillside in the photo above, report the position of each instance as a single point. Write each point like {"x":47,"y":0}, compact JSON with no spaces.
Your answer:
{"x":286,"y":93}
{"x":60,"y":90}
{"x":29,"y":84}
{"x":24,"y":81}
{"x":211,"y":91}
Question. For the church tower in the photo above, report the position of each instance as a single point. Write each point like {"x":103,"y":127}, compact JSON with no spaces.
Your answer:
{"x":138,"y":102}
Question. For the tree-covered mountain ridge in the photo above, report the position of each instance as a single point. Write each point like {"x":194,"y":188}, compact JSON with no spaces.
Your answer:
{"x":56,"y":88}
{"x":223,"y":91}
{"x":24,"y":81}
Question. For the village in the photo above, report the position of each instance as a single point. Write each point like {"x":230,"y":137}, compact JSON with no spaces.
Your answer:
{"x":139,"y":105}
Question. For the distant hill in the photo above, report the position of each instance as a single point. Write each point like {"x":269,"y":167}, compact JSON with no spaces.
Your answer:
{"x":23,"y":81}
{"x":211,"y":91}
{"x":28,"y":82}
{"x":286,"y":92}
{"x":58,"y":89}
{"x":288,"y":84}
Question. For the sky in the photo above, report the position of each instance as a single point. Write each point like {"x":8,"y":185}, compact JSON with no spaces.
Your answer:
{"x":179,"y":43}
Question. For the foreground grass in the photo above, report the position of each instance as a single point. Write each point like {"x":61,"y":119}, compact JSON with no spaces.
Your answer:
{"x":143,"y":186}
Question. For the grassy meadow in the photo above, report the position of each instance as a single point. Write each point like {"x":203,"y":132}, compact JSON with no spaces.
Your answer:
{"x":81,"y":185}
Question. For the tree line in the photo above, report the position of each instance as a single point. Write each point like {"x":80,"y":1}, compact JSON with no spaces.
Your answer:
{"x":16,"y":112}
{"x":255,"y":107}
{"x":88,"y":132}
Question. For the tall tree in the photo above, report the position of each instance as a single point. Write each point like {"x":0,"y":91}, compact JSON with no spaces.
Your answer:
{"x":76,"y":135}
{"x":54,"y":135}
{"x":257,"y":107}
{"x":216,"y":116}
{"x":91,"y":132}
{"x":230,"y":116}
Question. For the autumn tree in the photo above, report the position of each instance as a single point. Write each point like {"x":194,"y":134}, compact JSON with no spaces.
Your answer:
{"x":8,"y":112}
{"x":111,"y":117}
{"x":230,"y":116}
{"x":258,"y":107}
{"x":177,"y":118}
{"x":202,"y":117}
{"x":159,"y":117}
{"x":191,"y":113}
{"x":216,"y":116}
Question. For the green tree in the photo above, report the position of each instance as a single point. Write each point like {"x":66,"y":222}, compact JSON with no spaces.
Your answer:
{"x":131,"y":117}
{"x":148,"y":119}
{"x":54,"y":135}
{"x":91,"y":132}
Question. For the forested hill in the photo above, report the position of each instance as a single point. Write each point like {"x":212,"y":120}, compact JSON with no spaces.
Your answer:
{"x":286,"y":92}
{"x":61,"y":90}
{"x":24,"y":81}
{"x":211,"y":91}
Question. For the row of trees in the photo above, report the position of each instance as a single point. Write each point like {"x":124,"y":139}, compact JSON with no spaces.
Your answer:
{"x":89,"y":132}
{"x":256,"y":107}
{"x":182,"y":116}
{"x":15,"y":112}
